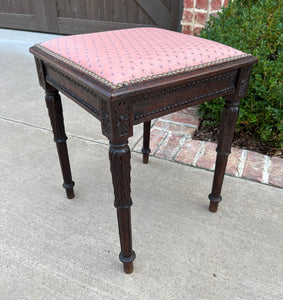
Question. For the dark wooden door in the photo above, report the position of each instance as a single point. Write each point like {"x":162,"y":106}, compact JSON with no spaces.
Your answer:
{"x":81,"y":16}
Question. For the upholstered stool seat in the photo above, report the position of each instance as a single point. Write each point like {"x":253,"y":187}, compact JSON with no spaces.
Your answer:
{"x":130,"y":76}
{"x":125,"y":57}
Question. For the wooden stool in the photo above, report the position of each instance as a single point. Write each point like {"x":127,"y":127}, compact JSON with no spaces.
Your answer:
{"x":130,"y":76}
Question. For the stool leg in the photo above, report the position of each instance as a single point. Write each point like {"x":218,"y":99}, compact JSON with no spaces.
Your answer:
{"x":53,"y":103}
{"x":119,"y":156}
{"x":226,"y":133}
{"x":146,"y":140}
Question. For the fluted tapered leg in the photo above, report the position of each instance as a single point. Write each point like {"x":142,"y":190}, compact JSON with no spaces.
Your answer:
{"x":146,"y":141}
{"x":53,"y":103}
{"x":119,"y":156}
{"x":226,"y":133}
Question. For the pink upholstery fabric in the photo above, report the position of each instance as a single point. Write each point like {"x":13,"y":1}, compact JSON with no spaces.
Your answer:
{"x":122,"y":57}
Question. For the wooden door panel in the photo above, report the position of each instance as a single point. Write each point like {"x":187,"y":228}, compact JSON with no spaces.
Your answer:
{"x":72,"y":16}
{"x":93,"y":9}
{"x":16,"y":6}
{"x":17,"y":14}
{"x":46,"y":15}
{"x":124,"y":11}
{"x":158,"y":12}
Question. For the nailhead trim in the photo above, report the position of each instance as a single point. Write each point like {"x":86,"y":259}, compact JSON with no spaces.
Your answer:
{"x":137,"y":80}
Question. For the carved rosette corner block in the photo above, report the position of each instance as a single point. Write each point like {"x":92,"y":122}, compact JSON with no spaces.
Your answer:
{"x":116,"y":120}
{"x":243,"y":82}
{"x":120,"y":156}
{"x":244,"y":79}
{"x":123,"y":119}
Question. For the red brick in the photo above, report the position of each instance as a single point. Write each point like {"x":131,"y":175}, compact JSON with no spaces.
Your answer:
{"x":175,"y":128}
{"x":188,"y":3}
{"x":169,"y":147}
{"x":187,"y":29}
{"x":188,"y":152}
{"x":187,"y":16}
{"x":200,"y":18}
{"x":216,"y":4}
{"x":191,"y":111}
{"x":276,"y":172}
{"x":226,"y":3}
{"x":254,"y":166}
{"x":156,"y":138}
{"x":197,"y":30}
{"x":207,"y":160}
{"x":191,"y":108}
{"x":202,"y":4}
{"x":233,"y":161}
{"x":185,"y":110}
{"x":182,"y":118}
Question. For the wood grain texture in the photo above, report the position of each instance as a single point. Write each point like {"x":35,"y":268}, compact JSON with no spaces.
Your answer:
{"x":120,"y":11}
{"x":78,"y":26}
{"x":74,"y":17}
{"x":16,"y":21}
{"x":46,"y":15}
{"x":16,"y":6}
{"x":158,"y":12}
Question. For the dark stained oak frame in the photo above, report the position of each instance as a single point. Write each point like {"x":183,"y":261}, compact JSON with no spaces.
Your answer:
{"x":120,"y":109}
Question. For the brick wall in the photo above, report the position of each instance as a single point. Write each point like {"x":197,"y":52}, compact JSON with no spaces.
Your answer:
{"x":196,"y":13}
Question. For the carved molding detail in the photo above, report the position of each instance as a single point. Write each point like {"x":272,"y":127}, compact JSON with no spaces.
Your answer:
{"x":185,"y":102}
{"x":119,"y":156}
{"x":73,"y":95}
{"x":123,"y":118}
{"x":184,"y":87}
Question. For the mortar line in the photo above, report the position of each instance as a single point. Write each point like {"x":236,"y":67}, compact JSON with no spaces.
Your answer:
{"x":242,"y":163}
{"x":266,"y":169}
{"x":179,"y":123}
{"x":183,"y":139}
{"x":199,"y":153}
{"x":163,"y":140}
{"x":186,"y":114}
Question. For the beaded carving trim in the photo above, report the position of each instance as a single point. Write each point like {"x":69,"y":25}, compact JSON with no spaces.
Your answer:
{"x":111,"y":85}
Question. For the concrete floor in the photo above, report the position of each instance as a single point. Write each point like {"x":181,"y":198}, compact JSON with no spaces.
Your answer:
{"x":55,"y":248}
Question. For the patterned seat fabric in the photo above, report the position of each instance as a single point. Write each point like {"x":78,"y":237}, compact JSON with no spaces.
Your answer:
{"x":123,"y":57}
